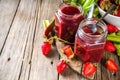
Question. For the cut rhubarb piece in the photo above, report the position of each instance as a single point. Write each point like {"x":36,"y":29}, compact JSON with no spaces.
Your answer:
{"x":68,"y":51}
{"x":49,"y":28}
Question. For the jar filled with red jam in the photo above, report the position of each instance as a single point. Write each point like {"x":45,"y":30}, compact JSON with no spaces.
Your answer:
{"x":67,"y":20}
{"x":89,"y":45}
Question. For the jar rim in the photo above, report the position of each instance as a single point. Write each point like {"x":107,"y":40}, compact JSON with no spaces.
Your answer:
{"x":78,"y":6}
{"x":104,"y":28}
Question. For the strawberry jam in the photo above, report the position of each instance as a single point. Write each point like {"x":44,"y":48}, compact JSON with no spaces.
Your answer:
{"x":89,"y":46}
{"x":67,"y":21}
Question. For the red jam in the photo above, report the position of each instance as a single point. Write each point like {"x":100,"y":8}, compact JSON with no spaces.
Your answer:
{"x":70,"y":10}
{"x":86,"y":53}
{"x":67,"y":21}
{"x":89,"y":48}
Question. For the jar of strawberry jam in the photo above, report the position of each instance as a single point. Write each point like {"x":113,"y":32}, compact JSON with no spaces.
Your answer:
{"x":89,"y":45}
{"x":67,"y":20}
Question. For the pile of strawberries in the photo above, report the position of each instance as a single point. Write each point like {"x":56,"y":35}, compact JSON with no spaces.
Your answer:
{"x":105,"y":5}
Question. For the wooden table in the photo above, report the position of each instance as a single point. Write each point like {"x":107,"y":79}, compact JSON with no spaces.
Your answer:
{"x":21,"y":32}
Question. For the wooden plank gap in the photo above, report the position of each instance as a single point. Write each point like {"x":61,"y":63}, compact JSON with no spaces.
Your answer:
{"x":26,"y":43}
{"x":58,"y":76}
{"x":41,"y":2}
{"x":37,"y":11}
{"x":9,"y":28}
{"x":24,"y":56}
{"x":20,"y":71}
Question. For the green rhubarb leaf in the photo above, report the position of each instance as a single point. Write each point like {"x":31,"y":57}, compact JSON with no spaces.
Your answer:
{"x":114,"y":38}
{"x":118,"y":33}
{"x":112,"y":34}
{"x":73,"y":2}
{"x":96,"y":12}
{"x":87,"y":4}
{"x":81,"y":2}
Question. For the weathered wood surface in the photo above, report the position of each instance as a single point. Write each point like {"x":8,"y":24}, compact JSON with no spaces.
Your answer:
{"x":21,"y":31}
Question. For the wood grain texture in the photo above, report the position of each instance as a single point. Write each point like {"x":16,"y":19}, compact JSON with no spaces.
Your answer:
{"x":7,"y":12}
{"x":42,"y":67}
{"x":16,"y":54}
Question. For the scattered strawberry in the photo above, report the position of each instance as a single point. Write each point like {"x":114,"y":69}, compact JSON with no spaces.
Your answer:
{"x":46,"y":46}
{"x":110,"y":64}
{"x":61,"y":66}
{"x":110,"y":46}
{"x":88,"y":69}
{"x":68,"y":51}
{"x":112,"y":28}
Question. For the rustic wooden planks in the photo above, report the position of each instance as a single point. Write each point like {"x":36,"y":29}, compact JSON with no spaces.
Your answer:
{"x":17,"y":51}
{"x":44,"y":68}
{"x":7,"y":12}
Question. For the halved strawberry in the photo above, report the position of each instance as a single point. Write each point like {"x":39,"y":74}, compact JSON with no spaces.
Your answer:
{"x":61,"y":66}
{"x":111,"y":65}
{"x":68,"y":51}
{"x":88,"y":69}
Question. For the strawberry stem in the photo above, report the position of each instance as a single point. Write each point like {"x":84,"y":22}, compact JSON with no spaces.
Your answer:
{"x":57,"y":38}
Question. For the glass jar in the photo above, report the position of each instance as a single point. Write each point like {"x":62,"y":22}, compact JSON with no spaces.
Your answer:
{"x":89,"y":46}
{"x":67,"y":20}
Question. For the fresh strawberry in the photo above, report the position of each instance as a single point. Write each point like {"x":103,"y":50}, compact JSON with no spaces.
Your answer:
{"x":88,"y":69}
{"x":61,"y":66}
{"x":68,"y":51}
{"x":110,"y":46}
{"x":111,"y":65}
{"x":112,"y":28}
{"x":46,"y":46}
